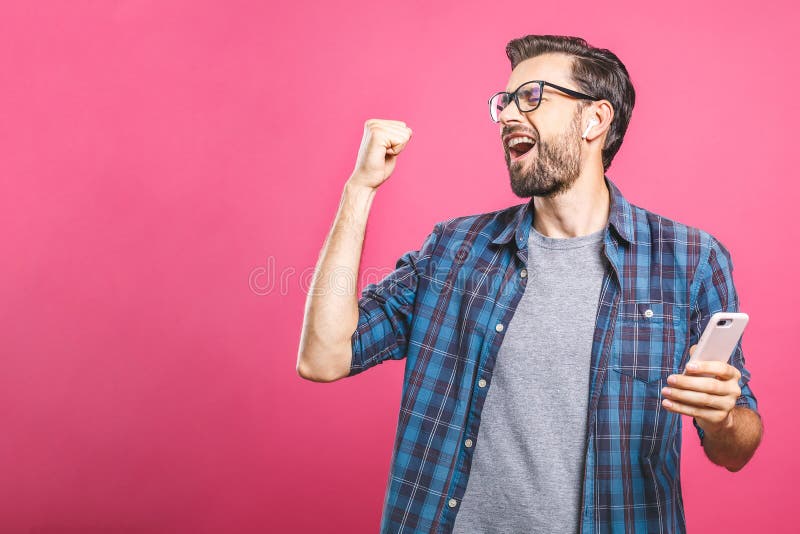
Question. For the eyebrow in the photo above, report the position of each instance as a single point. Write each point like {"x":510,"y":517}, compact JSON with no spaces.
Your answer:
{"x":520,"y":85}
{"x":545,"y":88}
{"x":507,"y":90}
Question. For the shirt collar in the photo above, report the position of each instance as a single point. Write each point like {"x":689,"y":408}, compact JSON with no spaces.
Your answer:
{"x":620,"y":217}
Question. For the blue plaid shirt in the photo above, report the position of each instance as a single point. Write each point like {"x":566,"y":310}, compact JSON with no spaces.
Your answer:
{"x":444,"y":310}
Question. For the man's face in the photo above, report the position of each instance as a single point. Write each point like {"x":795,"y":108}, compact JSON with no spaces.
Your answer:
{"x":552,"y":164}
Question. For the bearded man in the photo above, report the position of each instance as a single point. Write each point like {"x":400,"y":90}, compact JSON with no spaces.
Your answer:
{"x":547,"y":344}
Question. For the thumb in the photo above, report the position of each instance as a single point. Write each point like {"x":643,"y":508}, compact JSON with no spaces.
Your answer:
{"x":395,"y":149}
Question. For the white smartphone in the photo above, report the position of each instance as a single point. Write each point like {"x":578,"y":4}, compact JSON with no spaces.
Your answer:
{"x":719,"y":338}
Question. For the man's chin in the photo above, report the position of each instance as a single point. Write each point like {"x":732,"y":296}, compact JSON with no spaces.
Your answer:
{"x":525,"y":189}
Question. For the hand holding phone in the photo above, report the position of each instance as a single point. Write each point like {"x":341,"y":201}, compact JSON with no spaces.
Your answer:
{"x":719,"y":338}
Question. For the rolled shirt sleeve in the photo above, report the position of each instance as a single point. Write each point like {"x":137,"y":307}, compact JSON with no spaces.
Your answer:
{"x":716,"y":292}
{"x":386,"y":310}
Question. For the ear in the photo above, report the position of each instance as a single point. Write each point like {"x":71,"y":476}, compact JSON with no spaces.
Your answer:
{"x":602,"y":112}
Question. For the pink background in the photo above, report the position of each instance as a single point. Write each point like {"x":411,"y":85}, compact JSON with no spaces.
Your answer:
{"x":169,"y":171}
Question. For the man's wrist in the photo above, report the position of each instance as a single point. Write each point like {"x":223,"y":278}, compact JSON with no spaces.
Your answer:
{"x":357,"y":198}
{"x":354,"y":186}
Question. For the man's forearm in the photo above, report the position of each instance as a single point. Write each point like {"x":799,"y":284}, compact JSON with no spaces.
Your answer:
{"x":733,"y":447}
{"x":331,"y":312}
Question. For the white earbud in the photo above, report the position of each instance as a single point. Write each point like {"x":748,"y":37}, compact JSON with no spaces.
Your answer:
{"x":589,"y":127}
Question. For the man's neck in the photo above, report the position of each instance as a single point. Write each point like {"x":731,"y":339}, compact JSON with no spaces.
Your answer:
{"x":582,"y":210}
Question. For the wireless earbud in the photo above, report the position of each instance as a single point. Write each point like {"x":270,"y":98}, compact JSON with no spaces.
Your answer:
{"x":589,"y":127}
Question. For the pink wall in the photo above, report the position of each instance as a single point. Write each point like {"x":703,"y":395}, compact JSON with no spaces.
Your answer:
{"x":163,"y":163}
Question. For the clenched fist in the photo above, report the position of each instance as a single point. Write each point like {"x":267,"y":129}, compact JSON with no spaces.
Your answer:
{"x":383,"y":140}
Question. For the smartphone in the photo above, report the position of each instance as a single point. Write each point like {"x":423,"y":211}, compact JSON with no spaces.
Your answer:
{"x":719,"y":339}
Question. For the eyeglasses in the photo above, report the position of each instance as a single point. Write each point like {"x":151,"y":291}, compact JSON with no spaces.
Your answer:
{"x":528,"y":96}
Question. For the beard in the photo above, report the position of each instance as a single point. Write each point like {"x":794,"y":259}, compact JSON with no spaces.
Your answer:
{"x":554,"y":167}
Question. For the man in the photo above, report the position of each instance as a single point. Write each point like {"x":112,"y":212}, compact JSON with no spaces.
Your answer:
{"x":545,"y":343}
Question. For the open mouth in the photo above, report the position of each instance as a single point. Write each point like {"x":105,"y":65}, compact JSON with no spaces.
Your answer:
{"x":519,"y":147}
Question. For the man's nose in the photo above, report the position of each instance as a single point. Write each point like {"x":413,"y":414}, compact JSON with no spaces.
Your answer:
{"x":510,"y":113}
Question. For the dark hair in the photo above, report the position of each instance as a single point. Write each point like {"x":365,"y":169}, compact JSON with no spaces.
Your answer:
{"x":596,"y":71}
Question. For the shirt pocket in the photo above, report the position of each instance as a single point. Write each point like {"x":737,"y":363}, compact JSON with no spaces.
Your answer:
{"x":648,"y":336}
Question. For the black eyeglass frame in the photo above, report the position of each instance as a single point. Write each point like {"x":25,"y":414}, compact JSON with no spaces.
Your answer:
{"x":541,"y":83}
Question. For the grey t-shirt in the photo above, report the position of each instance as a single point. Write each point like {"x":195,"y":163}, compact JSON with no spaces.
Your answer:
{"x":527,"y":469}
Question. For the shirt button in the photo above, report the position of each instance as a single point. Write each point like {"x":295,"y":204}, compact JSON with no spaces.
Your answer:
{"x":648,"y":313}
{"x":452,"y":503}
{"x":468,"y":443}
{"x":499,"y":327}
{"x":523,"y":273}
{"x":481,"y":383}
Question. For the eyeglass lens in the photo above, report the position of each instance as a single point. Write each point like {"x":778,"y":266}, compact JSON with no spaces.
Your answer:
{"x":528,"y":94}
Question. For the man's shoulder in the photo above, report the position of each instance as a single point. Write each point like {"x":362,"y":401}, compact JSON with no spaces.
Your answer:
{"x":651,"y":227}
{"x":488,"y":223}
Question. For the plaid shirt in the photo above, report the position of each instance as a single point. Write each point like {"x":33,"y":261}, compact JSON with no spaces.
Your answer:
{"x":445,"y":308}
